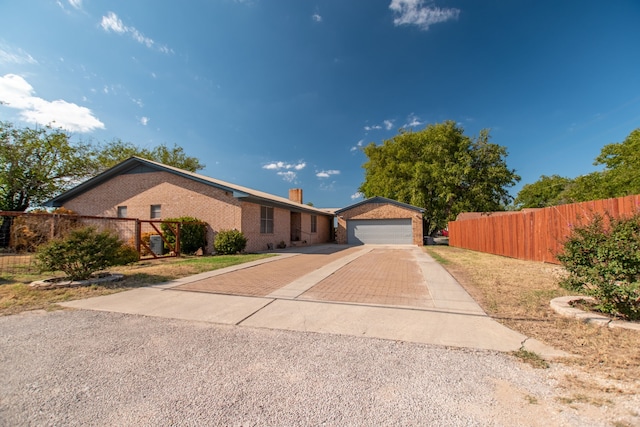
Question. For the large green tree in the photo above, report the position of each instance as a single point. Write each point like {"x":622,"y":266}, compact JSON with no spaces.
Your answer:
{"x":547,"y":191}
{"x":441,"y":170}
{"x":36,"y":164}
{"x":619,"y":177}
{"x":116,"y":151}
{"x":622,"y":166}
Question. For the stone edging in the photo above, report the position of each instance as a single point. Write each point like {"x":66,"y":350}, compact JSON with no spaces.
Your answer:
{"x":56,"y":283}
{"x":562,"y":305}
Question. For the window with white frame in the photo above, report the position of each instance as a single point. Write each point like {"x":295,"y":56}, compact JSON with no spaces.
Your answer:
{"x":122,"y":211}
{"x":266,"y":220}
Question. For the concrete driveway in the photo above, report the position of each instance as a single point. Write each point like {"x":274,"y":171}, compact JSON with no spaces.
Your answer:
{"x":390,"y":292}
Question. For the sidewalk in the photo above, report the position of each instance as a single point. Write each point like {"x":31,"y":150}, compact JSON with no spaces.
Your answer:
{"x":440,"y":312}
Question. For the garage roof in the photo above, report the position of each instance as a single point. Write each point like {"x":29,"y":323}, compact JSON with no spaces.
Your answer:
{"x":380,"y":200}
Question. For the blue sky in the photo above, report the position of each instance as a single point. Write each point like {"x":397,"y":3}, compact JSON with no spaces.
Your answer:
{"x":277,"y":94}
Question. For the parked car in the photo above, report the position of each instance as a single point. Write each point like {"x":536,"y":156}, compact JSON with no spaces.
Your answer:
{"x":428,"y":240}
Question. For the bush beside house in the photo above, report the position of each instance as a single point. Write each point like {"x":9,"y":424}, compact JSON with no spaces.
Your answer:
{"x":83,"y":252}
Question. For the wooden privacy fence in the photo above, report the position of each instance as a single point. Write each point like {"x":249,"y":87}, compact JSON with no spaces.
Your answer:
{"x":532,"y":234}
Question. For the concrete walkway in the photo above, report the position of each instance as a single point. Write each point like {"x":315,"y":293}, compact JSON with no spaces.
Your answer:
{"x":438,"y":311}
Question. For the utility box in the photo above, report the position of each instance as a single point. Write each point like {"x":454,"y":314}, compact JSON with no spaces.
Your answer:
{"x":156,"y":244}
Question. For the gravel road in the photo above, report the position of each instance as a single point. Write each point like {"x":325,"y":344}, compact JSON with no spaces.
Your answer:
{"x":76,"y":368}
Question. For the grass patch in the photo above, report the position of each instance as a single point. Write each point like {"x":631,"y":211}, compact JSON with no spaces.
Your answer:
{"x":17,"y":296}
{"x":531,"y":358}
{"x":517,"y":293}
{"x":583,"y":398}
{"x":435,"y":255}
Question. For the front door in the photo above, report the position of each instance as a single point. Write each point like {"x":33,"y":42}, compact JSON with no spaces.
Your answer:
{"x":296,"y":226}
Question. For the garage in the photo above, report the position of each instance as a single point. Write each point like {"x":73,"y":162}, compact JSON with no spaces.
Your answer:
{"x":379,"y":231}
{"x":379,"y":220}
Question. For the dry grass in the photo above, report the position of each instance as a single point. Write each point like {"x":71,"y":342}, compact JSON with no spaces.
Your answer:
{"x":517,"y":293}
{"x":17,"y":296}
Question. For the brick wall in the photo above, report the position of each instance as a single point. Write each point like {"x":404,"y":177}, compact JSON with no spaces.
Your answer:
{"x":323,"y":229}
{"x":282,"y":228}
{"x":178,"y":196}
{"x":251,"y":228}
{"x":379,"y":211}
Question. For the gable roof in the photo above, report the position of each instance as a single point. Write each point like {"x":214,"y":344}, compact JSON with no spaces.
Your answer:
{"x":140,"y":165}
{"x":379,"y":199}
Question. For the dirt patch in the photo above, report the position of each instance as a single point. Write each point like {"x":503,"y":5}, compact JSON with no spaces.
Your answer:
{"x":517,"y":293}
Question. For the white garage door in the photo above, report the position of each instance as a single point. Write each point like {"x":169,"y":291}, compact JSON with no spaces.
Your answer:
{"x":379,"y":231}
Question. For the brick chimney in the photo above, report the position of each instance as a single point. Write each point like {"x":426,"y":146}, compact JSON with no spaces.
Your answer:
{"x":295,"y":195}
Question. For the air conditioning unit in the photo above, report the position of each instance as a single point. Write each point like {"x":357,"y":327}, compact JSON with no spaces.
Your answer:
{"x":156,"y":244}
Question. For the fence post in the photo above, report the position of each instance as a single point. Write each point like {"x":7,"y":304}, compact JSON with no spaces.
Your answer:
{"x":138,"y":237}
{"x":177,"y":248}
{"x":52,"y":227}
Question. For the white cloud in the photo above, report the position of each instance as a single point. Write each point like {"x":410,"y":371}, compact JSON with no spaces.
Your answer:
{"x":286,"y":170}
{"x":271,"y":166}
{"x":282,"y":165}
{"x":111,"y":22}
{"x":144,"y":121}
{"x":414,"y":12}
{"x":327,"y":174}
{"x":17,"y":93}
{"x":316,"y":17}
{"x":288,"y":176}
{"x":386,"y":124}
{"x":76,"y":4}
{"x":137,"y":36}
{"x":358,"y":145}
{"x":413,"y":121}
{"x":357,"y":195}
{"x":9,"y":55}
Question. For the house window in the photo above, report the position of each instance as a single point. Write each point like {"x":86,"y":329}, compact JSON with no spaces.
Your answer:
{"x":266,"y":220}
{"x":314,"y":223}
{"x":122,"y":211}
{"x":155,"y":211}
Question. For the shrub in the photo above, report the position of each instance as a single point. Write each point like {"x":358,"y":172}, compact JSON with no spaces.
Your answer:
{"x":229,"y":242}
{"x":193,"y":234}
{"x":603,"y":261}
{"x":83,"y":252}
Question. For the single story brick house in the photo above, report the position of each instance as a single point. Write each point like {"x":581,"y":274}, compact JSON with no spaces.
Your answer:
{"x":143,"y":189}
{"x":381,"y":221}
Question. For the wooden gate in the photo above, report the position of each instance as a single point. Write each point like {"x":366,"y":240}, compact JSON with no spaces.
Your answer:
{"x":147,"y":241}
